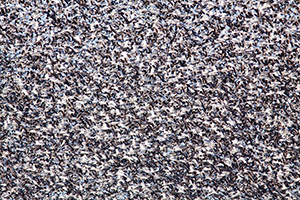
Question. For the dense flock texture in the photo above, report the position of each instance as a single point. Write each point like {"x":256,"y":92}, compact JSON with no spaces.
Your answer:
{"x":149,"y":99}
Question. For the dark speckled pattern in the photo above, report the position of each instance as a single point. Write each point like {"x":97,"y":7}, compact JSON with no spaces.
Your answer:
{"x":149,"y":99}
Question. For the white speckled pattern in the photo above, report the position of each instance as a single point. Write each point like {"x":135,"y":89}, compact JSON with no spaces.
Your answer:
{"x":149,"y":99}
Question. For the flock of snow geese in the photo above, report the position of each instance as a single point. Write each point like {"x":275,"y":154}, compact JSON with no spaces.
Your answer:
{"x":155,"y":99}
